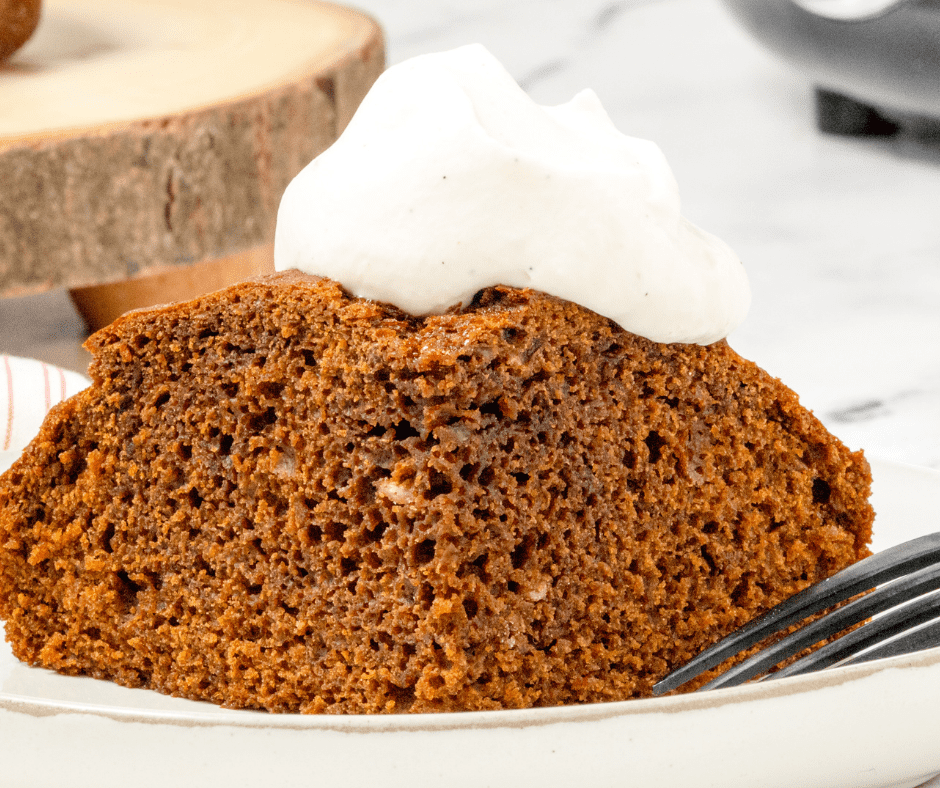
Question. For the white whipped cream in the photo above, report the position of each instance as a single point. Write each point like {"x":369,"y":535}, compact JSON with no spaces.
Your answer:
{"x":449,"y":178}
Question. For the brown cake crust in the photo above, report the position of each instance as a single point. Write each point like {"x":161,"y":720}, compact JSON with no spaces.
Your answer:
{"x":281,"y":497}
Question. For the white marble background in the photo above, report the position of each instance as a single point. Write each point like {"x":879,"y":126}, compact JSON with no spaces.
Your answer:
{"x":840,"y":236}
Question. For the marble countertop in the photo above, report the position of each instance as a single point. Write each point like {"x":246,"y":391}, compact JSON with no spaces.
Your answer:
{"x":840,"y":235}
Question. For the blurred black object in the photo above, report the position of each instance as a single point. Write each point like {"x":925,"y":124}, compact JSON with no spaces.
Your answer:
{"x":872,"y":76}
{"x":839,"y":114}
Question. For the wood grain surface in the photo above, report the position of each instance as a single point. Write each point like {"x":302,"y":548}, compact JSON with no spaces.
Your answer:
{"x":143,"y":137}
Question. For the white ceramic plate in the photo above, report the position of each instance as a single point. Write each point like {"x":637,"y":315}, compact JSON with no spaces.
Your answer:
{"x":868,"y":726}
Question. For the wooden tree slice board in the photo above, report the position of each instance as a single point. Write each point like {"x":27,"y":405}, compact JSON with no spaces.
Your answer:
{"x":99,"y":305}
{"x":144,"y":137}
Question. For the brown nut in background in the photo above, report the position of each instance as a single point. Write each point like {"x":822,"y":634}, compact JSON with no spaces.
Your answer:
{"x":18,"y":20}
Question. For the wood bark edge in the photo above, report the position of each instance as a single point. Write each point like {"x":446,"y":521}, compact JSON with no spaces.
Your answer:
{"x":146,"y":197}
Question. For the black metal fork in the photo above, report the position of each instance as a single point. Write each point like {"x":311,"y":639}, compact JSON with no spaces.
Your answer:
{"x":906,"y":583}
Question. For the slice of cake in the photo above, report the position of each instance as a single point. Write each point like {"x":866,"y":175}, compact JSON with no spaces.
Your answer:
{"x":280,"y":496}
{"x":541,"y":477}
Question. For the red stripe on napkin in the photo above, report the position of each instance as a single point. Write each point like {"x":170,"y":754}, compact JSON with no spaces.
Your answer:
{"x":47,"y":389}
{"x":9,"y":434}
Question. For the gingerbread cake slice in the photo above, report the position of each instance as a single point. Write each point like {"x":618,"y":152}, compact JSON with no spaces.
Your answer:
{"x":282,"y":497}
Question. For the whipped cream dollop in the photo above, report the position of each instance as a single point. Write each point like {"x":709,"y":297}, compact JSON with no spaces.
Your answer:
{"x":449,"y":179}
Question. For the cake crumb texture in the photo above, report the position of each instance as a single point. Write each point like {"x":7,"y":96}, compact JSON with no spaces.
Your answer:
{"x":281,"y":497}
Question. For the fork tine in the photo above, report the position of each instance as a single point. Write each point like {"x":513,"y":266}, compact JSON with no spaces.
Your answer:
{"x":866,"y":574}
{"x":900,"y":625}
{"x":883,"y":598}
{"x":916,"y":639}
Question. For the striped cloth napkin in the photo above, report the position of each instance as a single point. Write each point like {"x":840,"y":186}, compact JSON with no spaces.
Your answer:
{"x":28,"y":389}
